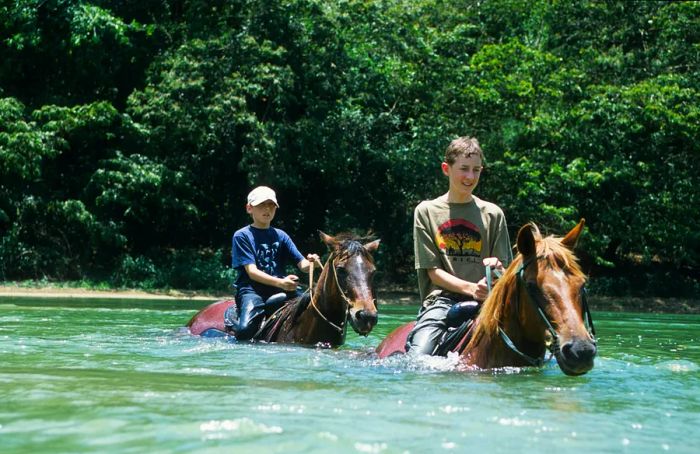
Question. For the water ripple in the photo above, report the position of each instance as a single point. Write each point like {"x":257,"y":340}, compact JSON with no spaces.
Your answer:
{"x":218,"y":429}
{"x":679,"y":366}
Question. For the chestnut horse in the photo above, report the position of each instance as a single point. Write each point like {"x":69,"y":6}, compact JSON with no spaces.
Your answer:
{"x":344,"y":291}
{"x":538,"y":305}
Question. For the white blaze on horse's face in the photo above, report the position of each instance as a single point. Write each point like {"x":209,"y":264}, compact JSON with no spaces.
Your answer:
{"x":361,"y":276}
{"x":358,"y":275}
{"x":562,"y":293}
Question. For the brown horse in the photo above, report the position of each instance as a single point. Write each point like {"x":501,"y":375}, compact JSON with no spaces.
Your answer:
{"x":538,"y":304}
{"x":344,"y":291}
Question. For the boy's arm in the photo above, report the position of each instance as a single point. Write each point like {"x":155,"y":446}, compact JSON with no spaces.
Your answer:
{"x":452,"y":283}
{"x":287,"y":283}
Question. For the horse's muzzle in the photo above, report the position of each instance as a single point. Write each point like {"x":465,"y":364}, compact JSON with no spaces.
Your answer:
{"x":363,"y":321}
{"x":575,"y":357}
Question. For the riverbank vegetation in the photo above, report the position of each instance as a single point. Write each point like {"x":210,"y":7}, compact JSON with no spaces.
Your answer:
{"x":130,"y":132}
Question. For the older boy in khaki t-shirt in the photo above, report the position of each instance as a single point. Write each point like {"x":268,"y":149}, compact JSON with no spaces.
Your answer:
{"x":455,"y":237}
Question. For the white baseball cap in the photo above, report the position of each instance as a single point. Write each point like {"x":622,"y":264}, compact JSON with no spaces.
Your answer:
{"x":260,"y":195}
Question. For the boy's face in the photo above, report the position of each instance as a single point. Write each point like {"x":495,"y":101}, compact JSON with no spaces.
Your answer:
{"x":463,"y":175}
{"x":262,"y":214}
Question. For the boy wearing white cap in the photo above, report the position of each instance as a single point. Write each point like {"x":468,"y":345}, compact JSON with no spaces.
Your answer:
{"x":260,"y":254}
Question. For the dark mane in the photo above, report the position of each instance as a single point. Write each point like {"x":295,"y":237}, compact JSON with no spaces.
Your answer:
{"x":348,"y":244}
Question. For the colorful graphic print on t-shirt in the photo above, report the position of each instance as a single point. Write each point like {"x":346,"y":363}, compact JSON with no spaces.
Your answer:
{"x":459,"y":237}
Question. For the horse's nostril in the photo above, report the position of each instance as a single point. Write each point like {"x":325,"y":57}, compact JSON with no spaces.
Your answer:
{"x":579,"y":350}
{"x":588,"y":351}
{"x":367,"y":317}
{"x":566,"y":349}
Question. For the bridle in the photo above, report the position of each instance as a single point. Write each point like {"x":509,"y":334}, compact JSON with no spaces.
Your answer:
{"x":343,"y":326}
{"x":553,"y":345}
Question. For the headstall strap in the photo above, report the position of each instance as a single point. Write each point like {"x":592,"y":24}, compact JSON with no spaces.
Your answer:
{"x":342,"y":326}
{"x":587,"y":313}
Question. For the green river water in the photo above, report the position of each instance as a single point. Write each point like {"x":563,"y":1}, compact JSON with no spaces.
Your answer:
{"x":120,"y":376}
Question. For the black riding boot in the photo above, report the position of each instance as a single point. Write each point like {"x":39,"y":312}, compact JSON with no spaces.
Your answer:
{"x":461,"y":312}
{"x":458,"y":320}
{"x":251,"y":311}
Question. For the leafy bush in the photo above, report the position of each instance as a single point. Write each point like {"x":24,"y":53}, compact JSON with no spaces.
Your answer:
{"x":139,"y":272}
{"x":58,"y":240}
{"x":191,"y":270}
{"x":182,"y":269}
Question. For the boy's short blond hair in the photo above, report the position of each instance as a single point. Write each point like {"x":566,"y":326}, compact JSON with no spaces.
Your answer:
{"x":463,"y":146}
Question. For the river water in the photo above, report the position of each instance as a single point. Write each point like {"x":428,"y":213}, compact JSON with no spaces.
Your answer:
{"x":120,"y":376}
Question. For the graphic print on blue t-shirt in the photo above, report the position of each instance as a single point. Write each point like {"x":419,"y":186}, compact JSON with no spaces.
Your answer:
{"x":265,"y":257}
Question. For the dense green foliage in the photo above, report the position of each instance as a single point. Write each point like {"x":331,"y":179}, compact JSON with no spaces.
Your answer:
{"x":130,"y":132}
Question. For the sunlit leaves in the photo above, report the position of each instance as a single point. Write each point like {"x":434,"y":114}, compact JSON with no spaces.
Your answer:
{"x":151,"y":202}
{"x":92,"y":24}
{"x":23,"y":145}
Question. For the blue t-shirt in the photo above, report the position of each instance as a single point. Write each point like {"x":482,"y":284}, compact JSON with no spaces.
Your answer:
{"x":271,"y":250}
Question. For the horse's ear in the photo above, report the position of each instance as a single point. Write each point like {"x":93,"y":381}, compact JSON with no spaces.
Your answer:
{"x":571,"y":238}
{"x":526,"y":241}
{"x":372,"y":246}
{"x":327,"y":239}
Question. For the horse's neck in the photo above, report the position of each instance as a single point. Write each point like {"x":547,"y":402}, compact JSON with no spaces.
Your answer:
{"x":489,"y":350}
{"x":316,"y":324}
{"x":517,"y":334}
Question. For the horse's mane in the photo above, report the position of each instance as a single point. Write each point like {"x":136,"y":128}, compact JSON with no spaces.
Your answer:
{"x":556,"y":256}
{"x":348,"y":244}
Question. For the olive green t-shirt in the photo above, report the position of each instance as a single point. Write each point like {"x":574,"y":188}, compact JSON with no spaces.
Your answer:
{"x":456,"y":237}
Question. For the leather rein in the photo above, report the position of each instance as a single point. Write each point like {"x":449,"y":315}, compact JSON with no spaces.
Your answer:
{"x":340,"y":328}
{"x":553,"y":345}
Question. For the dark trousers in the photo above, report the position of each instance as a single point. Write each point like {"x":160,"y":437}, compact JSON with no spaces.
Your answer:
{"x":252,"y":310}
{"x":430,"y":327}
{"x":434,"y":320}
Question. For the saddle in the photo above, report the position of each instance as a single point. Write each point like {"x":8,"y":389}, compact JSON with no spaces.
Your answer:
{"x":285,"y":316}
{"x":459,"y":321}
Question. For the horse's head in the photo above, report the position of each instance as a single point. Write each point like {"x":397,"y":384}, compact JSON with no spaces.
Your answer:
{"x":553,"y":283}
{"x":352,"y":267}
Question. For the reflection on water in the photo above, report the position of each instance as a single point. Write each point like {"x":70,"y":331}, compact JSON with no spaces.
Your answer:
{"x":106,"y":376}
